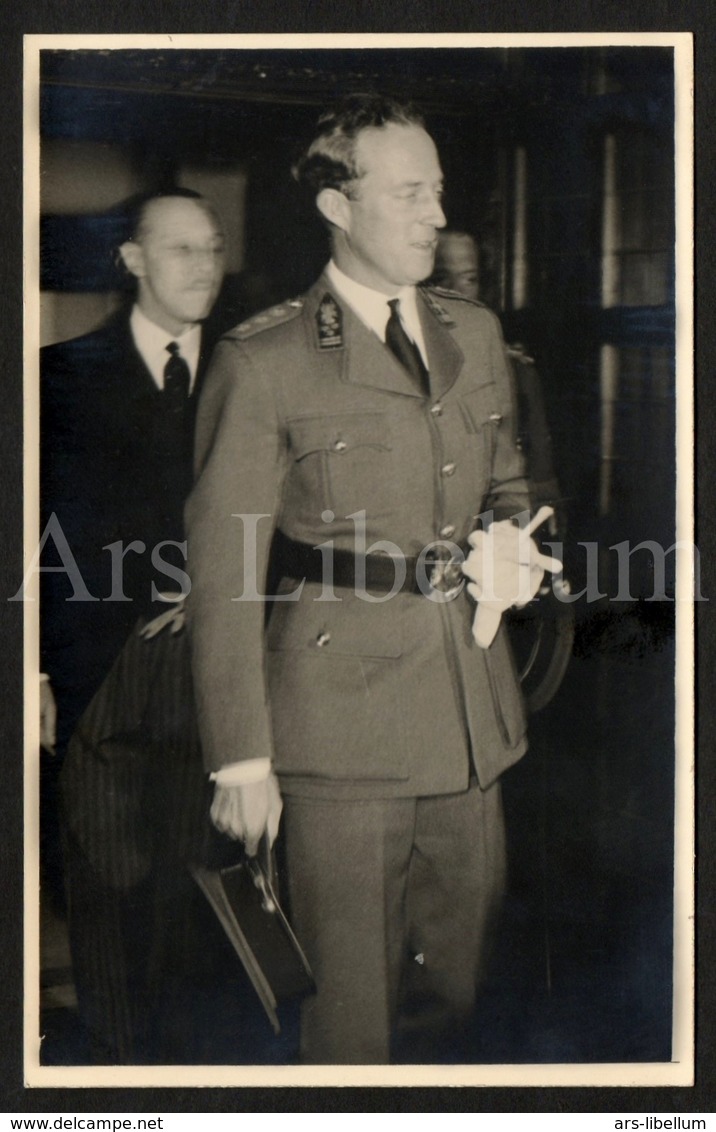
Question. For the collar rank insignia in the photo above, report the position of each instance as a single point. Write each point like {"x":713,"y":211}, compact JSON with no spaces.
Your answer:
{"x":329,"y":319}
{"x":437,"y":308}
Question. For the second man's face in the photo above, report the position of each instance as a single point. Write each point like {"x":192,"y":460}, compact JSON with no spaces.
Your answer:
{"x":390,"y":231}
{"x":178,"y":261}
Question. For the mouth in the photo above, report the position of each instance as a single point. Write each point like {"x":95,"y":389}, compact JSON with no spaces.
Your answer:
{"x":425,"y":245}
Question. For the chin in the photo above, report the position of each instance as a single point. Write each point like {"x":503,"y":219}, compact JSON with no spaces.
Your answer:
{"x":197,"y":314}
{"x":423,"y":270}
{"x":420,"y":277}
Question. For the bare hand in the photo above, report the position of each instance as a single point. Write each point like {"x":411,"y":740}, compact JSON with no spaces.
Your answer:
{"x":246,"y":812}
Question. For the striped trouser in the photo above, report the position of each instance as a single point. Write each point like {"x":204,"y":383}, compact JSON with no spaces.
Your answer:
{"x":134,"y":807}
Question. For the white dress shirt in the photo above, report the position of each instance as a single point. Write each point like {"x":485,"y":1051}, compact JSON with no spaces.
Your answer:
{"x":152,"y":341}
{"x":373,"y":310}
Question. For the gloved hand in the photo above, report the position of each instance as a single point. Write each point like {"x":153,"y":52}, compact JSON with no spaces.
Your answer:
{"x":245,"y":812}
{"x":505,"y":568}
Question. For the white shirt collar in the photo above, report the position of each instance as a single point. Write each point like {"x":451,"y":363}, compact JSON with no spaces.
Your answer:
{"x":372,"y":306}
{"x":152,"y":341}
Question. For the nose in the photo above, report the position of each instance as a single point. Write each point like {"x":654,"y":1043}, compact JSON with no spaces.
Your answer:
{"x":207,"y":264}
{"x":205,"y":259}
{"x":434,"y":215}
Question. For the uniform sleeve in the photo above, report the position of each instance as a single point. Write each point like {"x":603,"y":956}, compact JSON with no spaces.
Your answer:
{"x":230,"y":517}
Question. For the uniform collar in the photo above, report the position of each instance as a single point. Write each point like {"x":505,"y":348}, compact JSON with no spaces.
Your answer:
{"x":372,"y":306}
{"x":357,"y":354}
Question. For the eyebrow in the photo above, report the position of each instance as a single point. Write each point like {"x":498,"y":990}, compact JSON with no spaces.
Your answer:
{"x":440,"y":183}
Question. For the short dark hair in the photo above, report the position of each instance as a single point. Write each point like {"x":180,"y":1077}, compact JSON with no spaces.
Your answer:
{"x":329,"y":162}
{"x":135,"y":209}
{"x":130,"y":223}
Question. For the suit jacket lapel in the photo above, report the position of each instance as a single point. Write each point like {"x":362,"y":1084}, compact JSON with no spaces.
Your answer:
{"x":136,"y":380}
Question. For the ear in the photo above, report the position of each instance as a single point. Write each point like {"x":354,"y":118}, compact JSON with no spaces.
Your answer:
{"x":133,"y":258}
{"x":335,"y":207}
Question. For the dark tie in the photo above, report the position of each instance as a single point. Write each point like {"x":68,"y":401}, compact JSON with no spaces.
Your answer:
{"x":405,"y":349}
{"x":177,"y":380}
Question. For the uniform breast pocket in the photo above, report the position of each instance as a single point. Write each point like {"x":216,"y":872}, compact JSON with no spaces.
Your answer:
{"x":342,"y":461}
{"x":482,"y":417}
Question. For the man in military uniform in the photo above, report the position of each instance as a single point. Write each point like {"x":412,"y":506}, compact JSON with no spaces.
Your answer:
{"x":339,"y":436}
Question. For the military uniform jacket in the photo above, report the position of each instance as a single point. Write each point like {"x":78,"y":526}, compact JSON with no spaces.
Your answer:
{"x":308,"y":421}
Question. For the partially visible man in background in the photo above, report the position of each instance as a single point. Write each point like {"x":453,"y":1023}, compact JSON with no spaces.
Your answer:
{"x":457,"y":263}
{"x":457,"y":267}
{"x":118,"y":408}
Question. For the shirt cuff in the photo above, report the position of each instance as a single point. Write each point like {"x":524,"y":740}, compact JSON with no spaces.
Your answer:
{"x":243,"y":773}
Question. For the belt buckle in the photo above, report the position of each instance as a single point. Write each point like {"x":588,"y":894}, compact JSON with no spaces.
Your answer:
{"x":445,"y":576}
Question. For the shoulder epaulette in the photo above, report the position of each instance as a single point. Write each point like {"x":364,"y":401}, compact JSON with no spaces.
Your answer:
{"x":265,"y":320}
{"x":446,"y":293}
{"x":443,"y":316}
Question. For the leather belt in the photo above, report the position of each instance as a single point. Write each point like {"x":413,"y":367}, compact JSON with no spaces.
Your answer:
{"x":437,"y":571}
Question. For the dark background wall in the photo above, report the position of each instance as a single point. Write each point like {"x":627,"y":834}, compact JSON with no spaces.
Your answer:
{"x":561,"y":162}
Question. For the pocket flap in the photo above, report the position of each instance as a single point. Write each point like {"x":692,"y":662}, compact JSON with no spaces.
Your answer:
{"x":480,"y":407}
{"x":350,"y":631}
{"x":338,"y":433}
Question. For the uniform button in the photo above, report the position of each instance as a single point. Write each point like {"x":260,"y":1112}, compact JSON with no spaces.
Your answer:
{"x":448,"y":469}
{"x":323,"y":639}
{"x":436,"y":409}
{"x":340,"y":446}
{"x":496,"y":417}
{"x":447,"y":531}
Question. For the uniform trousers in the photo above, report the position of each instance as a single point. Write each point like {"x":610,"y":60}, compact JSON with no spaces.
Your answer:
{"x":395,"y":903}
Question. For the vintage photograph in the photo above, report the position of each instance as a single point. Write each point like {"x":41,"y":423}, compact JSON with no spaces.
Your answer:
{"x":359,"y":686}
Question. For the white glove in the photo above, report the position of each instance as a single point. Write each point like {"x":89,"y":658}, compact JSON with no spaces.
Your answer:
{"x":248,"y":811}
{"x":505,"y":567}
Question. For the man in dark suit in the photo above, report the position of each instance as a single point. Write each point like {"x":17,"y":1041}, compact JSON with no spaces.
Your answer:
{"x":118,"y":408}
{"x":370,"y":419}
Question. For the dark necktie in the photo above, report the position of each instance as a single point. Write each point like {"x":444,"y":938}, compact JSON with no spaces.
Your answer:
{"x":405,"y":349}
{"x":177,"y":380}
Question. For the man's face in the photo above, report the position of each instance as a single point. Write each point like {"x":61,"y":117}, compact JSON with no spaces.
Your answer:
{"x":390,"y":232}
{"x":178,"y":259}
